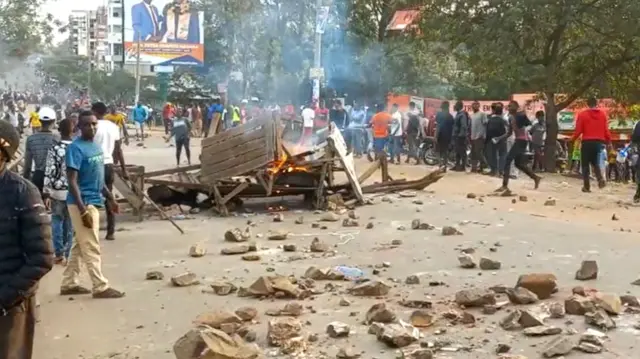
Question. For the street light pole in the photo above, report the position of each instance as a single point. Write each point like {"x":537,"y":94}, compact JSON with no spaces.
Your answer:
{"x":317,"y":54}
{"x":137,"y":69}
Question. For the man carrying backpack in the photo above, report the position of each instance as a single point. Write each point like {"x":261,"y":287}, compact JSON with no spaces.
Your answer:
{"x":413,"y":132}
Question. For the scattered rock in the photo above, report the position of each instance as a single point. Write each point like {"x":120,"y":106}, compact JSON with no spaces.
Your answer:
{"x":197,"y":250}
{"x":223,"y":288}
{"x":237,"y":235}
{"x":379,"y":313}
{"x":323,"y":274}
{"x":278,"y":217}
{"x":353,"y":215}
{"x":347,"y":353}
{"x":344,"y":302}
{"x":542,"y":284}
{"x":278,"y":236}
{"x":299,"y":220}
{"x":471,"y":196}
{"x":217,"y":318}
{"x":234,"y":250}
{"x":154,"y":275}
{"x":556,"y":310}
{"x":503,"y":348}
{"x":281,"y":330}
{"x":246,"y":313}
{"x":593,"y":336}
{"x":369,"y":225}
{"x":550,"y":202}
{"x":475,"y":298}
{"x":338,"y":330}
{"x":217,"y":344}
{"x":412,"y":280}
{"x":416,"y":303}
{"x":421,"y":319}
{"x":614,"y":217}
{"x":542,"y":330}
{"x":398,"y":335}
{"x":578,"y":305}
{"x":450,"y":231}
{"x":489,"y":264}
{"x":600,"y":319}
{"x":589,"y":348}
{"x":349,"y":222}
{"x":611,"y":303}
{"x":630,"y":300}
{"x":523,"y":198}
{"x":372,"y":288}
{"x":185,"y":279}
{"x":466,"y":261}
{"x":318,"y":246}
{"x":329,"y":217}
{"x":267,"y":286}
{"x":522,"y":296}
{"x":530,"y":318}
{"x":588,"y":270}
{"x":289,"y":248}
{"x":511,"y":321}
{"x":416,"y":353}
{"x":251,"y":257}
{"x":558,"y":346}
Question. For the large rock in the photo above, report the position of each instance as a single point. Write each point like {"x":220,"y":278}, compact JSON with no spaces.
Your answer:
{"x":347,"y":353}
{"x":588,"y":270}
{"x":609,"y":302}
{"x":217,"y":318}
{"x":542,"y":284}
{"x":475,"y":297}
{"x":323,"y":274}
{"x":211,"y":343}
{"x":558,"y":346}
{"x":223,"y":288}
{"x":234,"y":250}
{"x":237,"y":235}
{"x":278,"y":235}
{"x":541,"y":330}
{"x":338,"y":330}
{"x":379,"y":313}
{"x":578,"y":305}
{"x":281,"y":330}
{"x":489,"y":264}
{"x":246,"y":313}
{"x":600,"y":319}
{"x":185,"y":279}
{"x":398,"y":335}
{"x":467,"y":261}
{"x":267,"y":286}
{"x":197,"y":250}
{"x":521,"y":295}
{"x":373,"y":288}
{"x":318,"y":246}
{"x":421,"y":319}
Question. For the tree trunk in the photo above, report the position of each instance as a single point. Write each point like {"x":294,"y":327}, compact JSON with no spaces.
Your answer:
{"x":552,"y":133}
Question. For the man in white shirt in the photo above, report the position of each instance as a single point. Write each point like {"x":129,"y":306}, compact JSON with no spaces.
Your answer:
{"x":108,"y":138}
{"x":308,"y":117}
{"x":396,"y":132}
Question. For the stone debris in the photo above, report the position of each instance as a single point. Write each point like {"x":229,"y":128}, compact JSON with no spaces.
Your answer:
{"x":281,"y":330}
{"x":611,"y":303}
{"x":599,"y":319}
{"x":559,"y":346}
{"x":278,"y":217}
{"x":412,"y":280}
{"x":588,"y":348}
{"x":246,"y":313}
{"x":421,"y":319}
{"x":185,"y":279}
{"x":379,"y":313}
{"x":542,"y":284}
{"x":511,"y":321}
{"x":588,"y":270}
{"x":593,"y":336}
{"x":278,"y":236}
{"x":472,"y":196}
{"x":522,"y":319}
{"x":550,"y":202}
{"x":475,"y":298}
{"x":329,"y":217}
{"x":512,"y":356}
{"x":636,"y":282}
{"x":502,"y":348}
{"x":197,"y":250}
{"x":299,"y":220}
{"x":344,"y":302}
{"x":416,"y":303}
{"x":416,"y":353}
{"x":317,"y":246}
{"x":277,"y":286}
{"x":154,"y":275}
{"x":398,"y":335}
{"x":347,"y":353}
{"x":521,"y":296}
{"x":541,"y":330}
{"x":289,"y":310}
{"x":251,"y":257}
{"x":450,"y":231}
{"x":323,"y":274}
{"x":578,"y":305}
{"x":532,"y":318}
{"x":235,"y":250}
{"x":557,"y":310}
{"x":350,"y":223}
{"x":353,"y":215}
{"x":217,"y":318}
{"x":630,"y":300}
{"x":289,"y":248}
{"x":417,"y":224}
{"x":216,"y":343}
{"x":489,"y":264}
{"x":338,"y":330}
{"x":467,"y":261}
{"x":237,"y":235}
{"x":373,"y":288}
{"x":223,"y":288}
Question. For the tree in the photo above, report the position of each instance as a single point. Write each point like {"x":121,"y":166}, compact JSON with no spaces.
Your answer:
{"x":563,"y":49}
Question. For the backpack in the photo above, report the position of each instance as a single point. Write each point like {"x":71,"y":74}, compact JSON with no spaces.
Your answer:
{"x":413,"y":126}
{"x":496,"y":126}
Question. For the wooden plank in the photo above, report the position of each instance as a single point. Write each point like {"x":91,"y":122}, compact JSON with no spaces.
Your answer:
{"x":320,"y":190}
{"x":232,"y":132}
{"x":222,"y":208}
{"x":162,"y":213}
{"x":339,"y":148}
{"x":235,"y":171}
{"x":223,"y":145}
{"x":136,"y":201}
{"x":235,"y":192}
{"x":212,"y":159}
{"x":369,"y":172}
{"x":170,"y":171}
{"x":257,"y":157}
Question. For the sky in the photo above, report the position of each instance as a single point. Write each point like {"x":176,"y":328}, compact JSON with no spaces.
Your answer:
{"x":61,"y":9}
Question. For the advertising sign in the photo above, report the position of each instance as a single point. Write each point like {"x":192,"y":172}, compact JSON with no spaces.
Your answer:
{"x":170,"y":32}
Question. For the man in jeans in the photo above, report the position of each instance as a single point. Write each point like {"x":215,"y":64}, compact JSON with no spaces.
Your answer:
{"x":478,"y":134}
{"x":26,"y":253}
{"x":56,"y":189}
{"x":395,"y":135}
{"x":460,"y":136}
{"x":85,"y":173}
{"x":413,"y":130}
{"x":444,"y":133}
{"x":37,"y":147}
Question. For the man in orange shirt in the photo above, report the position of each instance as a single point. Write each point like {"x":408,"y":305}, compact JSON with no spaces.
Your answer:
{"x":380,"y":125}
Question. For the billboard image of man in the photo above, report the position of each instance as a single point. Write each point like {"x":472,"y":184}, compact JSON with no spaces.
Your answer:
{"x":181,"y":23}
{"x":146,"y":21}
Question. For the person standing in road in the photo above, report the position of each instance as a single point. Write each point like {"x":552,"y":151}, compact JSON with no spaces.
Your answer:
{"x":139,"y":118}
{"x":444,"y":133}
{"x":592,"y":125}
{"x":181,"y":131}
{"x":107,"y":136}
{"x":496,"y":150}
{"x":395,"y":134}
{"x":85,"y":173}
{"x":537,"y":132}
{"x":479,"y":122}
{"x":380,"y":125}
{"x":26,"y":255}
{"x":308,"y":117}
{"x":413,"y":131}
{"x":460,"y":136}
{"x":37,"y":147}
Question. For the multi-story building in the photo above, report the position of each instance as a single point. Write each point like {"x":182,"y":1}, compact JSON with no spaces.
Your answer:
{"x":115,"y":45}
{"x":88,"y":35}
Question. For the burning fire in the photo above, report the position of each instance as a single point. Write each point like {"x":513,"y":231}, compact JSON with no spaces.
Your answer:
{"x":282,"y":166}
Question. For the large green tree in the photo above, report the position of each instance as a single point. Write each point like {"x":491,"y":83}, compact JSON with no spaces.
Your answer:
{"x":564,"y":49}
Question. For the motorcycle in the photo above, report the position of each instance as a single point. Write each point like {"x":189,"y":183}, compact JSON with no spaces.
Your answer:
{"x":427,"y":151}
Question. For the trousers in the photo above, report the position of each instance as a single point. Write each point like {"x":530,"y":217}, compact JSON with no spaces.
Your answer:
{"x":61,"y":228}
{"x":109,"y":177}
{"x":17,"y":330}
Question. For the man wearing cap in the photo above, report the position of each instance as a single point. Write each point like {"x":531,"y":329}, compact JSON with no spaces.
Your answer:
{"x":26,"y":255}
{"x":37,"y":147}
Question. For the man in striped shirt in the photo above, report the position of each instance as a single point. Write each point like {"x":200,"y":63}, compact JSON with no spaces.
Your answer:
{"x":37,"y":147}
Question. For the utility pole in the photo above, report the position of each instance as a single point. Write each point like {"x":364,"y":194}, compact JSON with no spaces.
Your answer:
{"x":317,"y":53}
{"x":137,"y":70}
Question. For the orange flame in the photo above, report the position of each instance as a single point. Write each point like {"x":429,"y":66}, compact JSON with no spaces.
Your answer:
{"x":282,"y":166}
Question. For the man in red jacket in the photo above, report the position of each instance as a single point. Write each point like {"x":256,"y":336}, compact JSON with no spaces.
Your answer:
{"x":593,"y":125}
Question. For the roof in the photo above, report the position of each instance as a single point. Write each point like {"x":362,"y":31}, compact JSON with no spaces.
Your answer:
{"x":401,"y":19}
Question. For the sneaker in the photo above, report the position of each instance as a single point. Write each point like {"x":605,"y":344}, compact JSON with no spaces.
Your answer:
{"x":586,"y":190}
{"x":108,"y":294}
{"x":110,"y":237}
{"x":602,"y":184}
{"x":501,"y":189}
{"x":59,"y":260}
{"x":77,"y":290}
{"x":537,"y":182}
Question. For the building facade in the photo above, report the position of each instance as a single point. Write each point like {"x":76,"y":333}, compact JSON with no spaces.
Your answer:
{"x":88,"y":35}
{"x":115,"y":47}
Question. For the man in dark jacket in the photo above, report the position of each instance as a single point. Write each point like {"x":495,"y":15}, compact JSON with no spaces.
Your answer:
{"x":26,"y":252}
{"x":460,"y":136}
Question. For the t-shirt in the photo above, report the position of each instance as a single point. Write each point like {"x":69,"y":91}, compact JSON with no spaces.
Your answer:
{"x":34,"y":118}
{"x":308,"y":115}
{"x":478,"y":125}
{"x":87,"y":158}
{"x":107,"y":133}
{"x":181,"y":128}
{"x":396,"y":124}
{"x":380,"y":124}
{"x":116,"y":118}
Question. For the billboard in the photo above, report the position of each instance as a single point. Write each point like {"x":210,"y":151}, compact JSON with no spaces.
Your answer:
{"x":170,"y":32}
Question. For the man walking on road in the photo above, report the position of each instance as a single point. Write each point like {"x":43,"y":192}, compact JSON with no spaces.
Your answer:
{"x":592,"y":124}
{"x":460,"y":136}
{"x":85,"y":173}
{"x":26,"y":255}
{"x":479,"y":122}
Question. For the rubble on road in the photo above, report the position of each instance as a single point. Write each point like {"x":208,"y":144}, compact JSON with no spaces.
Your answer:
{"x":542,"y":284}
{"x":450,"y":231}
{"x":154,"y":275}
{"x":323,"y":274}
{"x":278,"y":286}
{"x":398,"y":335}
{"x":338,"y":330}
{"x":379,"y":313}
{"x":215,"y":343}
{"x":373,"y":288}
{"x":559,"y":346}
{"x":237,"y":235}
{"x":467,"y":261}
{"x":489,"y":264}
{"x":474,"y":298}
{"x":521,"y":295}
{"x":588,"y":270}
{"x":185,"y":279}
{"x":223,"y":288}
{"x":347,"y":353}
{"x":317,"y":246}
{"x":197,"y":250}
{"x":289,"y":310}
{"x":282,"y":330}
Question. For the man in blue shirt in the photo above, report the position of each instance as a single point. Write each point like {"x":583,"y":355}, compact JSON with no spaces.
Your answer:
{"x":140,"y":115}
{"x":85,"y":174}
{"x":213,"y":117}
